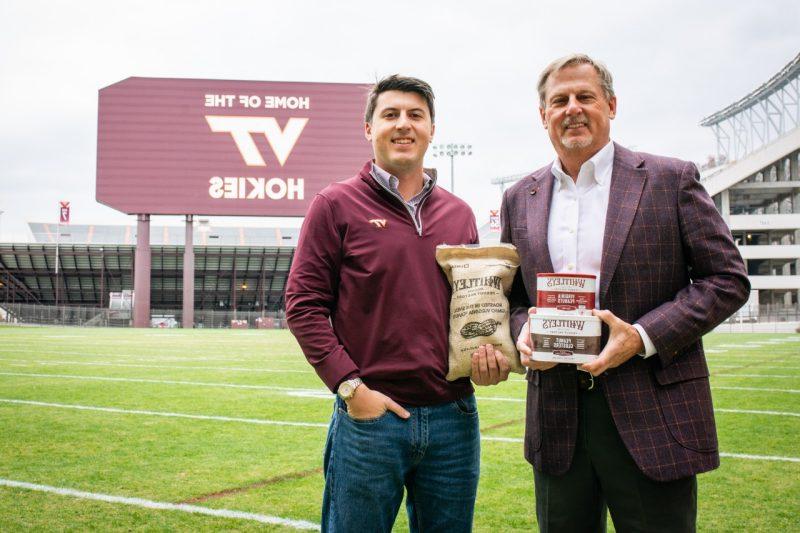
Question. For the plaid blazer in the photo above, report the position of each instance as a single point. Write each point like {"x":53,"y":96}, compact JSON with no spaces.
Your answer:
{"x":669,"y":263}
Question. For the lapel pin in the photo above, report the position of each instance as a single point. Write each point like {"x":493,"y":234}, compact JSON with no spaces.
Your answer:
{"x":533,"y":191}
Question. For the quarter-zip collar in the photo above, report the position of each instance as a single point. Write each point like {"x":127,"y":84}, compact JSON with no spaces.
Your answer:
{"x":392,"y":182}
{"x":368,"y":176}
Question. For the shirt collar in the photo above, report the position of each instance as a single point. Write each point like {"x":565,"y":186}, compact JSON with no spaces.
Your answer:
{"x":391,"y":182}
{"x":598,"y":167}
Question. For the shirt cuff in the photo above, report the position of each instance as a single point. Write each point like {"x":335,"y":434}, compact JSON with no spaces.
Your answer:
{"x":351,"y":375}
{"x":649,"y":347}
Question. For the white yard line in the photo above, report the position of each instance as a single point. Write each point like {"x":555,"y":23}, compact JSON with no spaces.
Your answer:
{"x":132,"y":365}
{"x":4,"y":350}
{"x":321,"y":395}
{"x":721,"y":454}
{"x":322,"y":425}
{"x":164,"y":381}
{"x":502,"y":439}
{"x":760,"y":457}
{"x":499,"y":398}
{"x":712,"y":350}
{"x":166,"y":414}
{"x":737,"y":355}
{"x":291,"y":391}
{"x":731,"y":347}
{"x":764,"y":389}
{"x":771,"y":367}
{"x":756,"y":412}
{"x":783,"y":349}
{"x":261,"y":421}
{"x":757,"y":376}
{"x":165,"y":335}
{"x":743,"y":358}
{"x":734,"y":346}
{"x":162,"y":506}
{"x":156,"y":357}
{"x":243,"y":344}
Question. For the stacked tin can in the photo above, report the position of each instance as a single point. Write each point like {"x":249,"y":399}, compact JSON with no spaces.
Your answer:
{"x":563,"y":329}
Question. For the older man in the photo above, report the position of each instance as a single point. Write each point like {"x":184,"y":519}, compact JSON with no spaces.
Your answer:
{"x":629,"y":431}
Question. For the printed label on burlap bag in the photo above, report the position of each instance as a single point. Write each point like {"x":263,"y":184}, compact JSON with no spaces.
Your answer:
{"x":480,"y":278}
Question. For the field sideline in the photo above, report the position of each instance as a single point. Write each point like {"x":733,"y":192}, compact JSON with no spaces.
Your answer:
{"x":123,"y":429}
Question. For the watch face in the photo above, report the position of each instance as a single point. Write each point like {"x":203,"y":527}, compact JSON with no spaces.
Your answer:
{"x":345,"y":390}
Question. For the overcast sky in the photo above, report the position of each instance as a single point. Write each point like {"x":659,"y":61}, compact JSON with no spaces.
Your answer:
{"x":673,"y":63}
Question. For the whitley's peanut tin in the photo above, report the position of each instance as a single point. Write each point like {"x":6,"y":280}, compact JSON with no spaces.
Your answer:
{"x":564,"y":337}
{"x":566,"y":292}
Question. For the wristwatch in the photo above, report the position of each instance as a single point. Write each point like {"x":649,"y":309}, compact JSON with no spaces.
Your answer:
{"x":348,"y":387}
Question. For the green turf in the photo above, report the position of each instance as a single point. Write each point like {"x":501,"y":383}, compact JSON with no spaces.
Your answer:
{"x":274,"y":470}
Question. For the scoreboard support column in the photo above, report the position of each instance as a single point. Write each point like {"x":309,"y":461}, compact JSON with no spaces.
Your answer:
{"x":141,"y":274}
{"x":188,"y":275}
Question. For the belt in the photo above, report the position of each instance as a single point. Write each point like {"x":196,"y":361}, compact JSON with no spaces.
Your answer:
{"x":585,"y":380}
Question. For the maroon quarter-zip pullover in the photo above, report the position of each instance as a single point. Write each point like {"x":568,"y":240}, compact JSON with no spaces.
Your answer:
{"x":365,"y":296}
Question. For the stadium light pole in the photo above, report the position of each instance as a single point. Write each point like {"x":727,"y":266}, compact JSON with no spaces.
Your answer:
{"x":102,"y":275}
{"x":58,"y":242}
{"x":451,"y":150}
{"x":3,"y":285}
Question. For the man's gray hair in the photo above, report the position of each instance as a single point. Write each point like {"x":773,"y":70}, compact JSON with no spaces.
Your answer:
{"x":606,"y":81}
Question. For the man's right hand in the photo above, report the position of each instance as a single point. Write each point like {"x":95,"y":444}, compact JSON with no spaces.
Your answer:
{"x":526,"y":350}
{"x":367,"y":403}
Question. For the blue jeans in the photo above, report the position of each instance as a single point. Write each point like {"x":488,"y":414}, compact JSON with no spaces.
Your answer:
{"x":435,"y":455}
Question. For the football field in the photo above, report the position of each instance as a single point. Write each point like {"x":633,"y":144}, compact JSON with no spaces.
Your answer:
{"x":123,"y":429}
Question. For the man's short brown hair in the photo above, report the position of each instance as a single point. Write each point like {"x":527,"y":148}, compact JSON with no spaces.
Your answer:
{"x":396,"y":82}
{"x":606,"y":81}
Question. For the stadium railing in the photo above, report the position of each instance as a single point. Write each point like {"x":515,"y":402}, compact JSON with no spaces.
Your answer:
{"x":768,"y":318}
{"x":50,"y":315}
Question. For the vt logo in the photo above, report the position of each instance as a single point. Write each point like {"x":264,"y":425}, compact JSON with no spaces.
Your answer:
{"x":242,"y":128}
{"x":378,"y":222}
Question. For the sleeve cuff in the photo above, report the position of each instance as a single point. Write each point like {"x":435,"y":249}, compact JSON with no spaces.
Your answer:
{"x":335,"y":368}
{"x":649,"y":347}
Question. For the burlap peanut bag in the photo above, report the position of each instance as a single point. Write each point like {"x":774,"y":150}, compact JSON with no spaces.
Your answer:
{"x":480,"y":277}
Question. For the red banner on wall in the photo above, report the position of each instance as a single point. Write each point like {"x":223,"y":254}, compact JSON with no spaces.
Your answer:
{"x":494,"y":220}
{"x":63,"y":213}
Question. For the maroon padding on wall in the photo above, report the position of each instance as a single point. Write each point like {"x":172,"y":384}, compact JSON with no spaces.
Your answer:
{"x":157,"y":153}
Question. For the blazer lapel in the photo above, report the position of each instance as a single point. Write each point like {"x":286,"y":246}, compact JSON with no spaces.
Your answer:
{"x":538,"y":211}
{"x":627,"y":182}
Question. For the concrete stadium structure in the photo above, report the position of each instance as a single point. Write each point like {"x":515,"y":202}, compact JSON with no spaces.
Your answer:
{"x":239,"y":272}
{"x":757,"y":185}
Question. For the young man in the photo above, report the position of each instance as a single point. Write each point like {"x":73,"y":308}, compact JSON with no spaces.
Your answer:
{"x":632,"y":429}
{"x":369,"y":305}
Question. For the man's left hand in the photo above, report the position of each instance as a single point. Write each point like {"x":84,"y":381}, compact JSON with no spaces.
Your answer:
{"x":489,"y":366}
{"x":623,"y":343}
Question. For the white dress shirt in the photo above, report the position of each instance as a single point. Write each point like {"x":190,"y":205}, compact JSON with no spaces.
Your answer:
{"x":578,"y":219}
